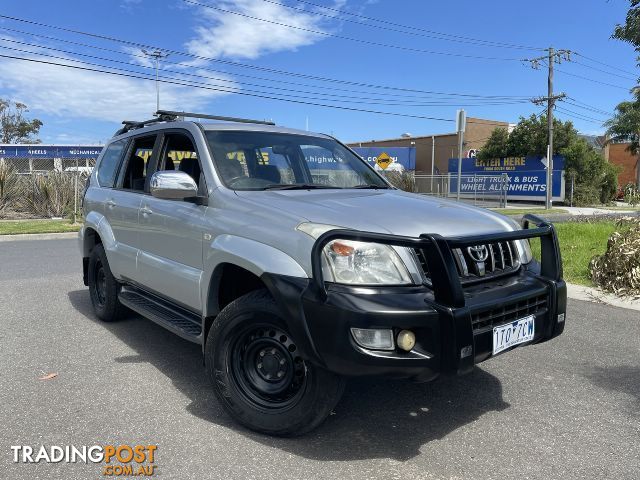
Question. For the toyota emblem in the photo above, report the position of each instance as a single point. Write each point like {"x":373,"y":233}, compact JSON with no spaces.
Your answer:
{"x":479,"y":253}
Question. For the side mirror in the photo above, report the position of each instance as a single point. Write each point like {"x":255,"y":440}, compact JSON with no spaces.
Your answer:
{"x":173,"y":185}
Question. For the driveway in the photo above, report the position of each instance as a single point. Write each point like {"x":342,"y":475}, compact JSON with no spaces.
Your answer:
{"x":569,"y":408}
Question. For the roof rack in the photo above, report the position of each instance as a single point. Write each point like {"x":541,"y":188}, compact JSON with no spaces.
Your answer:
{"x":133,"y":124}
{"x":170,"y":116}
{"x":175,"y":115}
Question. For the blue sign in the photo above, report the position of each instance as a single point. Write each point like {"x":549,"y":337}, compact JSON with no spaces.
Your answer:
{"x":50,"y":151}
{"x":526,"y":177}
{"x":497,"y":166}
{"x":389,"y":158}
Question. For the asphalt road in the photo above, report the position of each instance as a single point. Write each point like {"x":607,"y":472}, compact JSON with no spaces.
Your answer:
{"x":569,"y":408}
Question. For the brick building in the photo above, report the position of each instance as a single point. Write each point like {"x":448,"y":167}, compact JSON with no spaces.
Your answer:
{"x":446,"y":144}
{"x":618,"y":154}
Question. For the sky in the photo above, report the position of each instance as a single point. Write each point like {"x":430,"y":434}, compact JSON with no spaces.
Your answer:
{"x":410,"y":64}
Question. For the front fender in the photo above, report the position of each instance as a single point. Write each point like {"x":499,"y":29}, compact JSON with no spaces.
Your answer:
{"x":258,"y":258}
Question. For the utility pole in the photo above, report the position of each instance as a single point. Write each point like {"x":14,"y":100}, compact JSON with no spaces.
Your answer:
{"x":553,"y":56}
{"x":156,"y":55}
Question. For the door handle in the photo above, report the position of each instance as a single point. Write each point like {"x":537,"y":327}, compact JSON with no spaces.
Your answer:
{"x":111,"y":203}
{"x":146,"y":210}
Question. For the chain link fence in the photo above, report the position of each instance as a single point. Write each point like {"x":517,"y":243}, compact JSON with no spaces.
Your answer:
{"x":480,"y":190}
{"x":42,"y":188}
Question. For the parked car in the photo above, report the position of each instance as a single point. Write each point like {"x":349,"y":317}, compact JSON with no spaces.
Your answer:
{"x":291,"y":279}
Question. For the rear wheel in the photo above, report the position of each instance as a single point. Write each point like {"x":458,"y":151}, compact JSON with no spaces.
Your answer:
{"x":103,"y":287}
{"x":258,"y":373}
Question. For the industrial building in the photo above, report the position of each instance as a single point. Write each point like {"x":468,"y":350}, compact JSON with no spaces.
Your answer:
{"x":629,"y":164}
{"x":437,"y":149}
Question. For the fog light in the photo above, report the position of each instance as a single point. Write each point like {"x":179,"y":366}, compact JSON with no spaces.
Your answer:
{"x":406,"y":340}
{"x":373,"y":338}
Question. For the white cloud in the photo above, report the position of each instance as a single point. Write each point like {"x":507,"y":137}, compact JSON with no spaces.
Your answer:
{"x":227,"y":35}
{"x":129,"y":5}
{"x":74,"y":93}
{"x":78,"y":94}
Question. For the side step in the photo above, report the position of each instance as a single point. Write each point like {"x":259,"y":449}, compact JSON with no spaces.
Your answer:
{"x":166,"y":314}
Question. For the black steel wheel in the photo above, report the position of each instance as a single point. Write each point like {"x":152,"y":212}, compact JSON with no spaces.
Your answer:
{"x":267,"y":367}
{"x":103,"y":287}
{"x":259,"y":374}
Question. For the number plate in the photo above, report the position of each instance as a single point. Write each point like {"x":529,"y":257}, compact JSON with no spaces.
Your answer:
{"x":515,"y":333}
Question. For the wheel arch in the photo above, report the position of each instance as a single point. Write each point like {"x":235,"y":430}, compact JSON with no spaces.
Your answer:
{"x":246,"y":259}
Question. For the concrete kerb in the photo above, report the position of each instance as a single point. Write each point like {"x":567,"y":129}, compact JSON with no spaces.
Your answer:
{"x":38,"y":236}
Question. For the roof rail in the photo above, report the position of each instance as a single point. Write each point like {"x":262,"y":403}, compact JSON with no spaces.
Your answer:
{"x":168,"y":113}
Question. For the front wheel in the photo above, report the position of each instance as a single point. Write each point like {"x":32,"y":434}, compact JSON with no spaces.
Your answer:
{"x":258,"y":373}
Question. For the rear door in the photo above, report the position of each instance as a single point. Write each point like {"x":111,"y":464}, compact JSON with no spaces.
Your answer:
{"x":123,"y":205}
{"x":171,"y":231}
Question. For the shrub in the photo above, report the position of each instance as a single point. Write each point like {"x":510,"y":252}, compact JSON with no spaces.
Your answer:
{"x":618,"y":270}
{"x":403,"y":180}
{"x":632,"y":194}
{"x":10,"y":189}
{"x":51,"y":194}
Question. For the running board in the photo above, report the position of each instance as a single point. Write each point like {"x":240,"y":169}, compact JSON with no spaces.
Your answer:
{"x":179,"y":320}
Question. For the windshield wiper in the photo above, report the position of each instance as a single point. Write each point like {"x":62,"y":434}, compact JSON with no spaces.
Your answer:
{"x":296,"y":186}
{"x":370,"y":186}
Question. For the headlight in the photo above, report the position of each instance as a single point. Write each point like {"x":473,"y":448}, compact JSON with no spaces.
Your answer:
{"x":363,"y":263}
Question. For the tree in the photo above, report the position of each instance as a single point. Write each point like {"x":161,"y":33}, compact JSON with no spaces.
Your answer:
{"x":496,"y":145}
{"x":529,"y":137}
{"x":14,"y":127}
{"x":630,"y":31}
{"x":625,"y":125}
{"x":595,"y":178}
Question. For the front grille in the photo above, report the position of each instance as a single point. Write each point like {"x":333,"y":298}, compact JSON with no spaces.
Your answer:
{"x":501,"y":259}
{"x":485,"y":319}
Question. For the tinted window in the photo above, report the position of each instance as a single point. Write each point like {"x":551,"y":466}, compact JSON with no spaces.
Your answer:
{"x":136,"y":174}
{"x":109,"y":164}
{"x":264,"y":160}
{"x":180,"y":154}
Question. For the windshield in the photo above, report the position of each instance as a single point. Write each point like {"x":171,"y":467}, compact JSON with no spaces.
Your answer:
{"x":278,"y":161}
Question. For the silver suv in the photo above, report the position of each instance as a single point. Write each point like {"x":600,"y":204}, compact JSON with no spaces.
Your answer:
{"x":295,"y":265}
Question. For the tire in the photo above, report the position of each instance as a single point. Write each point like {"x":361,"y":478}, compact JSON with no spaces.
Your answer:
{"x":103,"y":287}
{"x":258,"y":375}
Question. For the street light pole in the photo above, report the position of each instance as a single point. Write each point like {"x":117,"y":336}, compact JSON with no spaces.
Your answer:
{"x":156,"y":55}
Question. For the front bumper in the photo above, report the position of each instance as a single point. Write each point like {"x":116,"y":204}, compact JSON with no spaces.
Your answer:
{"x":453,"y":325}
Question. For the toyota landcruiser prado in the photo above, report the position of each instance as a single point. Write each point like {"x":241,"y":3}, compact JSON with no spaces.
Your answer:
{"x":295,"y":265}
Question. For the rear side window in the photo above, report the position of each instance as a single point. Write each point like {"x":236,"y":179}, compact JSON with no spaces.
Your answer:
{"x":108,"y":167}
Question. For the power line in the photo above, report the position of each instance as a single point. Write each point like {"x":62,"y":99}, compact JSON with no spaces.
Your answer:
{"x":343,"y":98}
{"x":186,"y":84}
{"x":405,"y":29}
{"x":593,"y":80}
{"x":351,"y":39}
{"x":572,"y":101}
{"x":169,"y":80}
{"x":605,"y":64}
{"x":228,"y":62}
{"x":625,"y":77}
{"x":566,"y":110}
{"x":439,"y":95}
{"x":580,"y":116}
